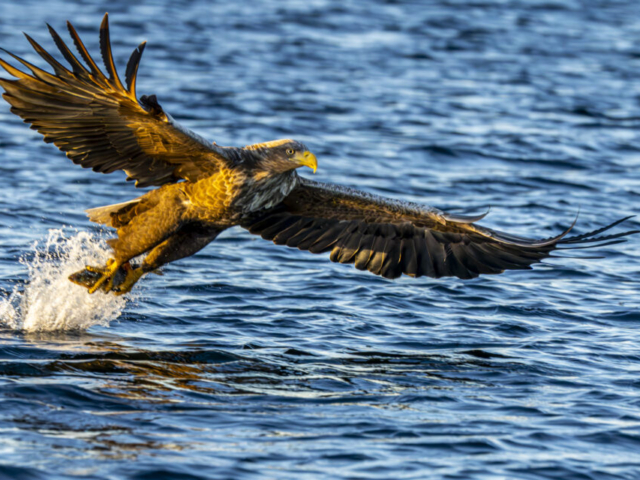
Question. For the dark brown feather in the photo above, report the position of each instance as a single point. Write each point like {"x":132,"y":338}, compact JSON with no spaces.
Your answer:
{"x":131,"y":73}
{"x":409,"y":257}
{"x":78,"y":68}
{"x":391,"y":266}
{"x":107,"y":55}
{"x":98,"y":76}
{"x":389,"y":238}
{"x":365,"y":251}
{"x":98,"y":123}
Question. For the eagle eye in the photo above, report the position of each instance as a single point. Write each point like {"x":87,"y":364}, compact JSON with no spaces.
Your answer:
{"x":290,"y":151}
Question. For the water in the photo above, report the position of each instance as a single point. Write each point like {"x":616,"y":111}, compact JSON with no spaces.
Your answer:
{"x":46,"y":302}
{"x":251,"y":361}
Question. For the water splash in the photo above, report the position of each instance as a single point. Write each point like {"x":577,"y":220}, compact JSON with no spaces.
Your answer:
{"x":48,"y":301}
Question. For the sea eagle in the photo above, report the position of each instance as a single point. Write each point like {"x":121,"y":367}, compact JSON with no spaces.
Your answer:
{"x":204,"y":188}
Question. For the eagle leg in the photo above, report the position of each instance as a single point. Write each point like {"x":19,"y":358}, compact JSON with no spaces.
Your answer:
{"x":189,"y":240}
{"x":133,"y":275}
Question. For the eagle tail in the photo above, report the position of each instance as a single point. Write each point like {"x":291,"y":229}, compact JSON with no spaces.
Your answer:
{"x":108,"y":214}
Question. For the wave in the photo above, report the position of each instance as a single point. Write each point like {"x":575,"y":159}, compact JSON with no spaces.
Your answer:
{"x":48,"y":301}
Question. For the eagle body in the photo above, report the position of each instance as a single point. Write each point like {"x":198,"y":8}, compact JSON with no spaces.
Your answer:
{"x":205,"y":207}
{"x":221,"y":200}
{"x":202,"y":188}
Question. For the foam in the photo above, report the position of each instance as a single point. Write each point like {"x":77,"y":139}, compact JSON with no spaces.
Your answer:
{"x":49,"y":301}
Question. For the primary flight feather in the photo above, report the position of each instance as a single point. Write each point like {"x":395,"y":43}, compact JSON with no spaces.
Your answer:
{"x":204,"y":188}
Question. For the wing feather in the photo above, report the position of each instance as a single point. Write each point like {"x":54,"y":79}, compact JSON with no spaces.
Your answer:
{"x":101,"y":125}
{"x":392,"y":238}
{"x":96,"y":73}
{"x":79,"y":70}
{"x":409,"y":257}
{"x":131,"y":73}
{"x":361,"y":259}
{"x":107,"y":55}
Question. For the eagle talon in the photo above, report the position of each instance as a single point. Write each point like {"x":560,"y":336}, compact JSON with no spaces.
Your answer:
{"x":93,"y":269}
{"x":102,"y":270}
{"x":108,"y":275}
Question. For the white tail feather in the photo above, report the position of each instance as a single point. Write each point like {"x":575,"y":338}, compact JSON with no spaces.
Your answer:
{"x":103,"y":214}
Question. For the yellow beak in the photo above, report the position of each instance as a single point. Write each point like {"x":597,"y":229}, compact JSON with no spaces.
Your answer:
{"x":307,"y":159}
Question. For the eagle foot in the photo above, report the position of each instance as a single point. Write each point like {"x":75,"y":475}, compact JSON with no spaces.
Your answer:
{"x":133,"y":275}
{"x":105,"y":278}
{"x":119,"y":280}
{"x":107,"y":275}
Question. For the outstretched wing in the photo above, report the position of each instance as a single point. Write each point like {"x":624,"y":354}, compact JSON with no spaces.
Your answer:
{"x":390,"y":238}
{"x":99,"y":123}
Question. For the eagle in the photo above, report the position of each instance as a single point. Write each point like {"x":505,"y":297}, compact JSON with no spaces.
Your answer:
{"x":203,"y":188}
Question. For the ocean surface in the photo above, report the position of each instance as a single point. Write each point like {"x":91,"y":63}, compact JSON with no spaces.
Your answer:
{"x":254,"y":361}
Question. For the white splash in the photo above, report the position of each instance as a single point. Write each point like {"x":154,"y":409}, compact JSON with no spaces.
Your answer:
{"x":49,"y":301}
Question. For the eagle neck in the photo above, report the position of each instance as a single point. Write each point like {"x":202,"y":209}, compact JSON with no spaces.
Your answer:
{"x":268,"y":192}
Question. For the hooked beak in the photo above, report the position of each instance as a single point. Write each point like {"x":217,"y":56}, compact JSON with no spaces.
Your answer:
{"x":307,"y":159}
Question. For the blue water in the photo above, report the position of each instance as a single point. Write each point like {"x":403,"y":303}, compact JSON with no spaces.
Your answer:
{"x":252,"y":361}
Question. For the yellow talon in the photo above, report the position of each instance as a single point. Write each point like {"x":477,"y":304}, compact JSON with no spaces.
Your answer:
{"x":107,"y":273}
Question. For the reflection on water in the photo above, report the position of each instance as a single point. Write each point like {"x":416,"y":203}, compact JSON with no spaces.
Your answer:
{"x":159,"y":376}
{"x":109,"y":381}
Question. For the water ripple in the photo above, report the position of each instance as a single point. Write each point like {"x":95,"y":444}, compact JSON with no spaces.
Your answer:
{"x":252,"y":361}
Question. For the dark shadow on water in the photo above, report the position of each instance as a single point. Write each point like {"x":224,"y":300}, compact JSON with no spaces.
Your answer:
{"x":121,"y":370}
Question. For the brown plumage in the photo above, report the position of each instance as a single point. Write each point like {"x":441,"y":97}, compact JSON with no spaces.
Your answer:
{"x":205,"y":188}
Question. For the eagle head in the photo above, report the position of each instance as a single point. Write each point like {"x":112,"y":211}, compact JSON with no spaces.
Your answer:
{"x":280,"y":156}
